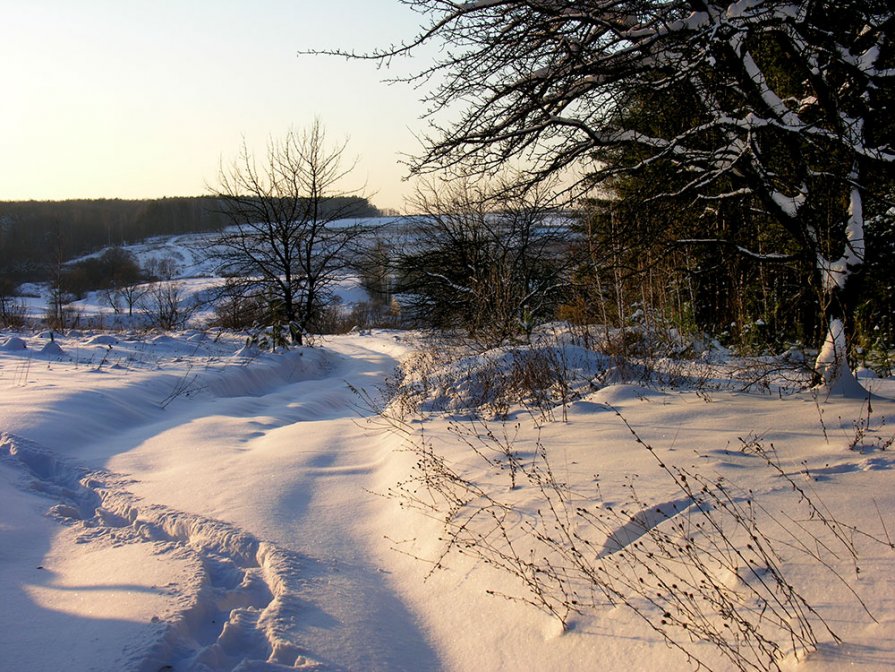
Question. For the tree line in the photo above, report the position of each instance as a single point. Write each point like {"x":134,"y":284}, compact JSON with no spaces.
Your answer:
{"x":33,"y":231}
{"x":35,"y":234}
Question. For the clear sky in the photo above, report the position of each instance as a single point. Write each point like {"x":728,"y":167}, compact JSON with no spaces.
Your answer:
{"x":144,"y":98}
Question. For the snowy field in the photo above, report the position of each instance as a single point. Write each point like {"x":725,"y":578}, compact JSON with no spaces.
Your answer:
{"x":186,"y":257}
{"x":177,"y":502}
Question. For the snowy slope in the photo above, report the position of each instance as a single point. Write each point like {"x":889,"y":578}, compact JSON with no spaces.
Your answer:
{"x":181,"y":503}
{"x":193,"y":272}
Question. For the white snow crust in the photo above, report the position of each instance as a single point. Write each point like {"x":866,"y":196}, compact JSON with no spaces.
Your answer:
{"x":166,"y":503}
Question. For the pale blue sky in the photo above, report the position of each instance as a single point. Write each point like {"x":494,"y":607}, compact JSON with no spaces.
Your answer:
{"x":140,"y":98}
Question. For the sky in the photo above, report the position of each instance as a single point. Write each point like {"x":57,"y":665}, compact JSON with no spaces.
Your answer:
{"x":146,"y":98}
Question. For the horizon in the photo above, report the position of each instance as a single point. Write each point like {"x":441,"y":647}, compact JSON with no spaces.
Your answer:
{"x":157,"y":198}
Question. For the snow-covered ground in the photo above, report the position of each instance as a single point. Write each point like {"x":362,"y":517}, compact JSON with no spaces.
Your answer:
{"x":187,"y":259}
{"x":179,"y":502}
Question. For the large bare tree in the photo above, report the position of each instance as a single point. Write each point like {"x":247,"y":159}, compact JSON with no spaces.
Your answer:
{"x":781,"y":106}
{"x":286,"y":246}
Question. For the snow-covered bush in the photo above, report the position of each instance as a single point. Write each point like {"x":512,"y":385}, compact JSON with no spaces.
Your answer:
{"x":12,"y":312}
{"x":449,"y":375}
{"x":452,"y":377}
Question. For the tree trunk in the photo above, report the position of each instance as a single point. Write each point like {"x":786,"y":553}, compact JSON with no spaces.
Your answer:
{"x":833,"y":373}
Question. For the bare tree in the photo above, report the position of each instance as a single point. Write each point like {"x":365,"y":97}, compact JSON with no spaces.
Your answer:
{"x":164,"y":306}
{"x":780,"y":106}
{"x":287,"y":247}
{"x":59,"y":294}
{"x":12,"y":309}
{"x":486,"y":261}
{"x":128,"y":294}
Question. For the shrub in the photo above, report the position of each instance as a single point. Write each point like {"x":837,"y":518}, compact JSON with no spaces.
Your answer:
{"x":116,"y":267}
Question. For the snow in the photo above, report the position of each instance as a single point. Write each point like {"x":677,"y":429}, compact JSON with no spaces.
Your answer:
{"x":836,"y":273}
{"x":14,"y":343}
{"x":789,"y":205}
{"x":194,"y":275}
{"x":832,"y":365}
{"x":741,"y":8}
{"x":181,"y":501}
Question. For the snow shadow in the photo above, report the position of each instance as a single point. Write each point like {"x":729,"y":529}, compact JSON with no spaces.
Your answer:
{"x":247,"y":601}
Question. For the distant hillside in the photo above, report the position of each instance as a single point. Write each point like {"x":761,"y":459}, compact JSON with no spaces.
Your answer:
{"x":34,"y":234}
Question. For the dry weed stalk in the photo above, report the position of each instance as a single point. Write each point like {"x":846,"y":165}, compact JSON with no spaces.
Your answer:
{"x":705,"y":568}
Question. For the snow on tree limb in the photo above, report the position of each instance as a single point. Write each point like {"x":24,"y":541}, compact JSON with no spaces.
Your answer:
{"x":782,"y":108}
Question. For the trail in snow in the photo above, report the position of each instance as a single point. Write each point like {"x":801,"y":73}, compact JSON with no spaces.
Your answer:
{"x":283,"y":579}
{"x":234,"y":588}
{"x":214,"y":513}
